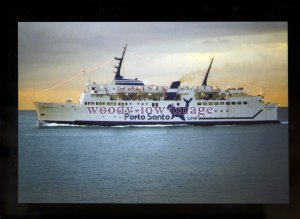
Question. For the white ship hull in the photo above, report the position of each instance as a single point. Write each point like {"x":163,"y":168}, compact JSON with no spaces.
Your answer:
{"x":133,"y":113}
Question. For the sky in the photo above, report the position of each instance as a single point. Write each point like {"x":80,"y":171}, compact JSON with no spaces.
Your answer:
{"x":52,"y":56}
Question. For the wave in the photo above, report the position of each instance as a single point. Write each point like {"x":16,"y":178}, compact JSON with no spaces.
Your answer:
{"x":284,"y":122}
{"x":148,"y":126}
{"x":59,"y":125}
{"x":53,"y":124}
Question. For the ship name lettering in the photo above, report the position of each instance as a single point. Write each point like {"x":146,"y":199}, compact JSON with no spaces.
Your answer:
{"x":159,"y":110}
{"x":158,"y":117}
{"x":209,"y":110}
{"x":102,"y":110}
{"x":148,"y":110}
{"x":92,"y":110}
{"x":178,"y":110}
{"x":192,"y":118}
{"x":202,"y":111}
{"x":129,"y":109}
{"x":120,"y":110}
{"x":111,"y":110}
{"x":134,"y":117}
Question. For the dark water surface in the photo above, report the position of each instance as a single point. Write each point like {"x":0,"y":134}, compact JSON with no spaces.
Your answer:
{"x":187,"y":164}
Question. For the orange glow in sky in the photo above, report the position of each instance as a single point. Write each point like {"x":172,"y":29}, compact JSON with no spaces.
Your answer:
{"x":52,"y":56}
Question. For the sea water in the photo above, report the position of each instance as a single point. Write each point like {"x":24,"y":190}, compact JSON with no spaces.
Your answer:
{"x":152,"y":164}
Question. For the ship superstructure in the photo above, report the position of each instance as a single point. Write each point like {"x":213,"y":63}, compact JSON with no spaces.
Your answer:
{"x":131,"y":102}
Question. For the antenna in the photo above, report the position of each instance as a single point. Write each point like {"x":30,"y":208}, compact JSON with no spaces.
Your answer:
{"x":83,"y":72}
{"x":204,"y":83}
{"x":264,"y":91}
{"x":126,"y":37}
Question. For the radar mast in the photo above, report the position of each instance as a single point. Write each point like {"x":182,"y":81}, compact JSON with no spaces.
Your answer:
{"x":204,"y":83}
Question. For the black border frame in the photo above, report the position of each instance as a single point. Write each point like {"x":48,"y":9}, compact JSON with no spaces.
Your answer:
{"x":142,"y":11}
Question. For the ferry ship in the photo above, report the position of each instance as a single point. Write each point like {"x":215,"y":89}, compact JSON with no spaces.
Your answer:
{"x":131,"y":102}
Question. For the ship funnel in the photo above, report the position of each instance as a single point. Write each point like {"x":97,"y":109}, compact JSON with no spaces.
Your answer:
{"x":172,"y":91}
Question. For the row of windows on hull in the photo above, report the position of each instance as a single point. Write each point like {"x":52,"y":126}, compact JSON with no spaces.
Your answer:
{"x":130,"y":83}
{"x":115,"y":104}
{"x":156,"y":104}
{"x":223,"y":103}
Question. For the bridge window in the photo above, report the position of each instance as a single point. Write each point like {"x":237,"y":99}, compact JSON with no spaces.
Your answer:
{"x":85,"y":103}
{"x":210,"y":103}
{"x":216,"y":103}
{"x":227,"y":103}
{"x":245,"y":102}
{"x":233,"y":103}
{"x":221,"y":103}
{"x":239,"y":103}
{"x":199,"y":103}
{"x":205,"y":103}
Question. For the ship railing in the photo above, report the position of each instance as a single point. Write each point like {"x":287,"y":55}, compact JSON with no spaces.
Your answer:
{"x":136,"y":91}
{"x":137,"y":88}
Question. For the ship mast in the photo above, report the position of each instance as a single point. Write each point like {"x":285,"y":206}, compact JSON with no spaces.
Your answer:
{"x":118,"y":72}
{"x":204,"y":83}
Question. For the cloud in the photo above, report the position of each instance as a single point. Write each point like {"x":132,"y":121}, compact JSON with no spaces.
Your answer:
{"x":158,"y":52}
{"x":67,"y":38}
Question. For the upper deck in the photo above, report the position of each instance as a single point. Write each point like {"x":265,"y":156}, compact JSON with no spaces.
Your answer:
{"x":134,"y":89}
